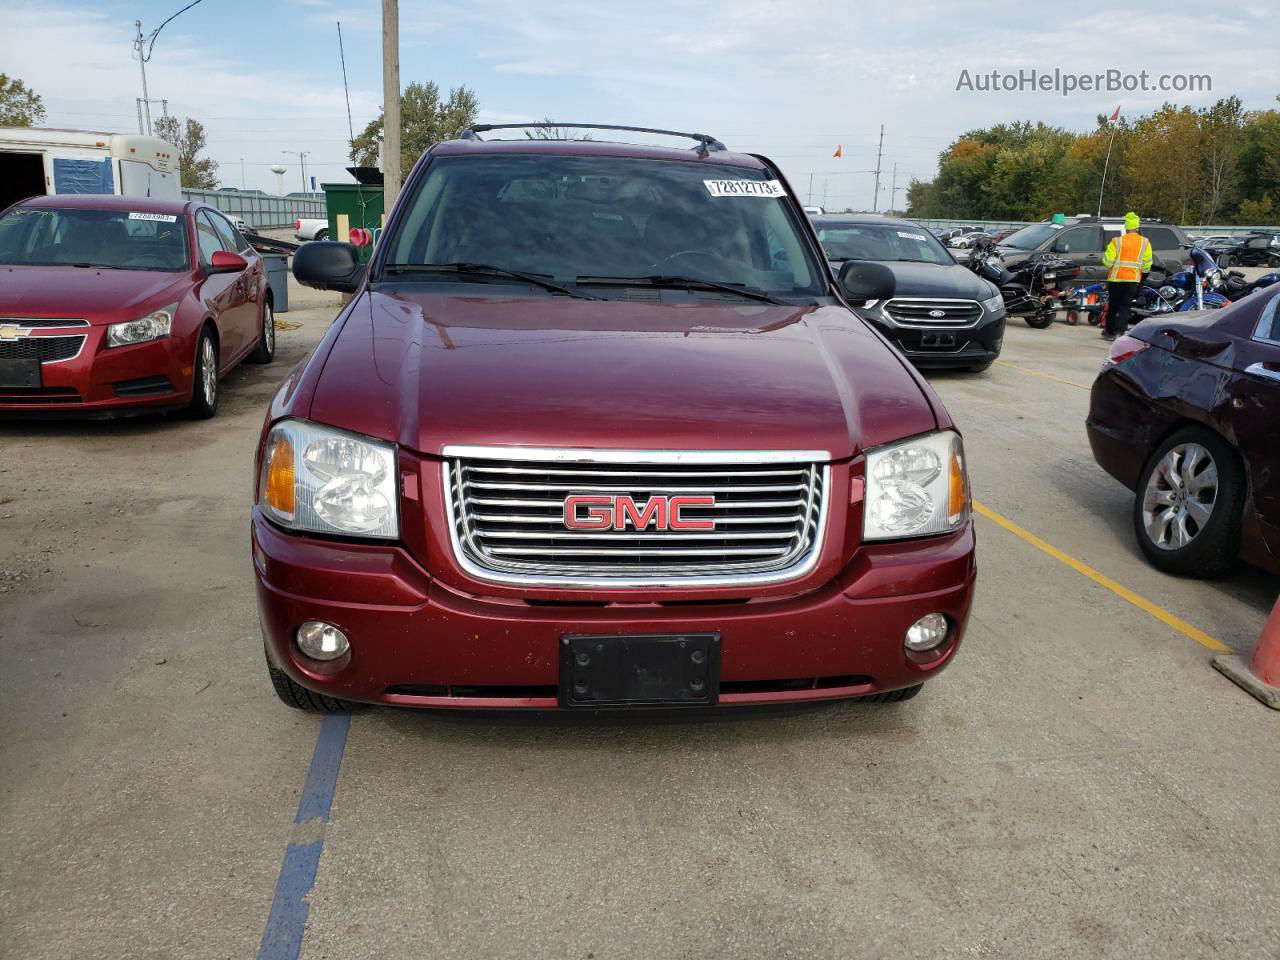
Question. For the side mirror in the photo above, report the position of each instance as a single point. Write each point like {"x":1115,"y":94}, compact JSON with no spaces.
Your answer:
{"x":328,"y":265}
{"x":863,"y":280}
{"x":224,"y":261}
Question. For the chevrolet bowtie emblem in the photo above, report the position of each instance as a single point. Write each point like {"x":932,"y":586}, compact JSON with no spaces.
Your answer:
{"x":9,"y":331}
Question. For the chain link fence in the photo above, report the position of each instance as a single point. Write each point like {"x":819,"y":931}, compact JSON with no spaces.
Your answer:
{"x":260,"y":210}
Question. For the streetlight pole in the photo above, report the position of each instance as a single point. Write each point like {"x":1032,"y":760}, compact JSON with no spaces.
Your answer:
{"x":302,"y":163}
{"x":142,"y":64}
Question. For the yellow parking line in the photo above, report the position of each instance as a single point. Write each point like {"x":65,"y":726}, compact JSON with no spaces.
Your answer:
{"x":1041,"y":373}
{"x":1143,"y":604}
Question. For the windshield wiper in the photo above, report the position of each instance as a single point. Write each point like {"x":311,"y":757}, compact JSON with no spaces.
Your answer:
{"x":676,"y":280}
{"x":463,"y":267}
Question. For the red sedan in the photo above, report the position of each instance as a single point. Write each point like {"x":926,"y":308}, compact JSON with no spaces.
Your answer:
{"x":117,"y":305}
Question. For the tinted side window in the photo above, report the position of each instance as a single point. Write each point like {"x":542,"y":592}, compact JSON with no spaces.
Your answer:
{"x":1078,"y":240}
{"x":207,"y":237}
{"x":1270,"y":325}
{"x":231,"y":240}
{"x":1162,"y":238}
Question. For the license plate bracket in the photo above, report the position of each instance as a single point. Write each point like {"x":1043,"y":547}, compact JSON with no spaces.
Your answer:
{"x":640,"y":670}
{"x":21,"y":373}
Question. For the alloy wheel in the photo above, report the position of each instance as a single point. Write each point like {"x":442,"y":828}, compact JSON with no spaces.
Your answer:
{"x":1180,"y":496}
{"x":209,"y":371}
{"x":269,"y":327}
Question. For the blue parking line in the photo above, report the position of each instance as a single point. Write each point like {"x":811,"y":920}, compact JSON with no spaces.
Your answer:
{"x":282,"y":938}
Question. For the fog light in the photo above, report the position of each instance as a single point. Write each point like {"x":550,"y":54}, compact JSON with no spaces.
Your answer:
{"x":927,"y":632}
{"x":322,"y":641}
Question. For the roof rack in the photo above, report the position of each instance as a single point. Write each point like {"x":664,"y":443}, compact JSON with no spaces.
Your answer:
{"x":706,"y":142}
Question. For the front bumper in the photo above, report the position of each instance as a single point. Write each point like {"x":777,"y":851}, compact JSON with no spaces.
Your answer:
{"x":418,"y":642}
{"x":104,"y":382}
{"x":942,"y":346}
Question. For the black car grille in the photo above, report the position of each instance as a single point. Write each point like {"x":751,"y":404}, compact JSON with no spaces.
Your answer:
{"x":38,"y":395}
{"x":509,"y":521}
{"x":926,"y":312}
{"x":142,"y":387}
{"x":42,"y":323}
{"x":44,"y":349}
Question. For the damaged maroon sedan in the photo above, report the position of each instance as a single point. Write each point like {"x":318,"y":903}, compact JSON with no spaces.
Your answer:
{"x":598,"y":428}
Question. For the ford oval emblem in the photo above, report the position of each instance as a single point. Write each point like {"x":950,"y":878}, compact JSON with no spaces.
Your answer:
{"x":937,"y":314}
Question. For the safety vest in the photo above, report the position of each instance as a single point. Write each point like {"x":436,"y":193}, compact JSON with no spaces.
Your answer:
{"x":1129,"y":257}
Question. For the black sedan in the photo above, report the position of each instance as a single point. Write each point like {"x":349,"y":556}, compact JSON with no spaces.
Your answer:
{"x":1254,"y":250}
{"x":942,"y":314}
{"x":1186,"y":412}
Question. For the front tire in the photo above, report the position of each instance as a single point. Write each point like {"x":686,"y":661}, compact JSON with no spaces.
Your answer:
{"x":1186,"y":514}
{"x":979,"y":367}
{"x":894,"y":696}
{"x":265,"y":351}
{"x":1040,"y":321}
{"x":322,"y":234}
{"x":295,"y":695}
{"x":204,"y":386}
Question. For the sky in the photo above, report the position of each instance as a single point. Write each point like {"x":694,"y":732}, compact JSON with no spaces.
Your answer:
{"x":791,"y":80}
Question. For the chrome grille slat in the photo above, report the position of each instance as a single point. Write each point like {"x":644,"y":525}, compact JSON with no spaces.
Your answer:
{"x":914,"y":312}
{"x":506,"y":512}
{"x":524,"y":518}
{"x":603,"y":488}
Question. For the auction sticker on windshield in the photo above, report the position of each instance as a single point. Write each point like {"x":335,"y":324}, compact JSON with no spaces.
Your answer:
{"x":156,"y":217}
{"x":745,"y":188}
{"x":911,"y":236}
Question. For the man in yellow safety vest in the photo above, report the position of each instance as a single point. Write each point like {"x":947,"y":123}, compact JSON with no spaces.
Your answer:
{"x":1129,"y":258}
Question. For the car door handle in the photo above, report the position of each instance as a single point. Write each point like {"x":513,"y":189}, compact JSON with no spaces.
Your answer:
{"x":1262,"y":370}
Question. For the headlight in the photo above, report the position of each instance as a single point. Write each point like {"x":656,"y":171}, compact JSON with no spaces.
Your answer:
{"x":994,"y":305}
{"x":916,"y":487}
{"x":322,"y":480}
{"x":1168,"y":291}
{"x":151,"y":327}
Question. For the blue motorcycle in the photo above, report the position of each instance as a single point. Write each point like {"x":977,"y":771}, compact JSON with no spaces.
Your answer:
{"x":1198,"y":288}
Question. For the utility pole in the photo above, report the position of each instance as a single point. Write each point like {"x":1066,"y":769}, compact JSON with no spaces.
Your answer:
{"x":875,"y":201}
{"x":824,"y":193}
{"x":893,"y":191}
{"x":811,"y":189}
{"x":391,"y":172}
{"x":142,"y":64}
{"x":243,"y":181}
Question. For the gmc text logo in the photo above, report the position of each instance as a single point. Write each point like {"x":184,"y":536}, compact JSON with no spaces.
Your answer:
{"x":615,"y":513}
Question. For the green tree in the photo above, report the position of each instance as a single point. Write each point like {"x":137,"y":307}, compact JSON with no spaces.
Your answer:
{"x":20,"y":106}
{"x":1223,"y":140}
{"x":200,"y":173}
{"x":424,"y":122}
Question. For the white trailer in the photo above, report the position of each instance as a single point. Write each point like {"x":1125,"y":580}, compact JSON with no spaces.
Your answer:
{"x":38,"y":160}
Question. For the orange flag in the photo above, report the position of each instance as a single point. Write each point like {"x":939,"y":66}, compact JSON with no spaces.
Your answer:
{"x":839,"y":151}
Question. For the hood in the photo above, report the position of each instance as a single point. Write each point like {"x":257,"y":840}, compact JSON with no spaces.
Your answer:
{"x":427,"y":369}
{"x":939,"y":280}
{"x":96,"y":295}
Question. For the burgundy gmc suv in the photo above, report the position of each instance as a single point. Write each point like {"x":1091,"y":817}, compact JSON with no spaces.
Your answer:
{"x":598,"y":428}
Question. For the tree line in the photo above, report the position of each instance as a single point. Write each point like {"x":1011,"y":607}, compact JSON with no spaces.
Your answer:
{"x":1217,"y":164}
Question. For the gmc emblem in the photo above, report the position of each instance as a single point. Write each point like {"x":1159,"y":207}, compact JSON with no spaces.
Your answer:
{"x":614,"y":513}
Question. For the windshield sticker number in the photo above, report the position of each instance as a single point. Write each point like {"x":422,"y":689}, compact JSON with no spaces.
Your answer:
{"x":911,"y":236}
{"x":745,"y":188}
{"x":154,"y":217}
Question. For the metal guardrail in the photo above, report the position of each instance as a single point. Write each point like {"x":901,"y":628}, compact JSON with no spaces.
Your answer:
{"x":260,"y":210}
{"x":1212,"y":230}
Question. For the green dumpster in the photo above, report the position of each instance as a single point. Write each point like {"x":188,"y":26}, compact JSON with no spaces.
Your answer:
{"x":360,"y":202}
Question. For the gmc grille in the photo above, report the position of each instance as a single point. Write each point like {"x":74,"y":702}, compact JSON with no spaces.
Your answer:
{"x":507,"y":517}
{"x":919,"y":312}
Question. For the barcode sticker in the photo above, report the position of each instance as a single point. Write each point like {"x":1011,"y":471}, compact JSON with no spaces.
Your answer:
{"x":154,"y":217}
{"x":745,"y":188}
{"x":911,"y":236}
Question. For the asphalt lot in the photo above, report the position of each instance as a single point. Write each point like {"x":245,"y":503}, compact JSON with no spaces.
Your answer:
{"x":1079,"y":783}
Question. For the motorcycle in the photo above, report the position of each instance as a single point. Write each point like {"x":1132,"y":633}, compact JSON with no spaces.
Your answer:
{"x":1235,"y":286}
{"x":1199,"y":288}
{"x":1031,"y":291}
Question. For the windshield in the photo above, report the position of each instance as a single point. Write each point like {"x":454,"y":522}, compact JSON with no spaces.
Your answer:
{"x":119,"y":239}
{"x":570,"y":219}
{"x":1029,"y":238}
{"x":880,"y":241}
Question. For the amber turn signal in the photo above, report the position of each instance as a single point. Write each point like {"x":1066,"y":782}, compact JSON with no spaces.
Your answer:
{"x":278,"y":484}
